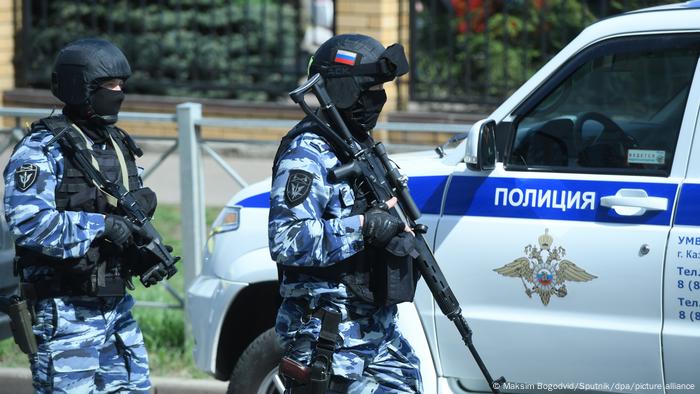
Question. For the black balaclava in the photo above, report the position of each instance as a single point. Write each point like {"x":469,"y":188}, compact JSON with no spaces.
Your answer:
{"x":362,"y":116}
{"x":78,"y":71}
{"x":106,"y":102}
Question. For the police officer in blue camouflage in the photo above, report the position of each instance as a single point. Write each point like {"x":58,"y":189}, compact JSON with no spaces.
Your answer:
{"x":329,"y":247}
{"x":71,"y":242}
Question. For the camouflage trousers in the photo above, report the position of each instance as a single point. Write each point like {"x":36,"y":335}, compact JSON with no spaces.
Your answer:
{"x":88,"y":345}
{"x":393,"y":368}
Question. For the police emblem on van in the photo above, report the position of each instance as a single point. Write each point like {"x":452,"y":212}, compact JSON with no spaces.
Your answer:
{"x":544,"y":270}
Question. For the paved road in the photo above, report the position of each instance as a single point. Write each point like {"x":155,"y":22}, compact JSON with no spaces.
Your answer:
{"x":253,"y":164}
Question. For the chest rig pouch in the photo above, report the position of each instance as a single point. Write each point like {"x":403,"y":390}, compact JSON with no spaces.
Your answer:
{"x":99,"y":272}
{"x":382,"y":277}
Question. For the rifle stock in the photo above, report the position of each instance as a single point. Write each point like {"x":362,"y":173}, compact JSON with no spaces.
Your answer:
{"x":384,"y":181}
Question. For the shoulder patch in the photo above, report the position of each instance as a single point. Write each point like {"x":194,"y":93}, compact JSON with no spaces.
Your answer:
{"x":298,"y":187}
{"x":25,"y":176}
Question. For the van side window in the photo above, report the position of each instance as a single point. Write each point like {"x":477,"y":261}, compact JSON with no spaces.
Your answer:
{"x":619,"y":111}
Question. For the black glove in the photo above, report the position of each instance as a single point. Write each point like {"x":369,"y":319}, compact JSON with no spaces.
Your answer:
{"x":118,"y":230}
{"x":150,"y":273}
{"x":154,"y":275}
{"x":380,"y":226}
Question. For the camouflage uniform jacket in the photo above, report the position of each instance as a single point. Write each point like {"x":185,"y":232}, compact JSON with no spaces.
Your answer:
{"x":30,"y":206}
{"x":310,"y":225}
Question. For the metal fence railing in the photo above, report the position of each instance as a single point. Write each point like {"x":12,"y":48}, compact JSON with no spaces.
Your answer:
{"x":480,"y":51}
{"x":243,"y":49}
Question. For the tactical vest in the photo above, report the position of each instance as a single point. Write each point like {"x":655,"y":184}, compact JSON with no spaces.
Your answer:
{"x":100,"y":267}
{"x":379,"y":276}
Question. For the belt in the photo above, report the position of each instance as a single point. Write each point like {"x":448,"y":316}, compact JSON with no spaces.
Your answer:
{"x":56,"y":287}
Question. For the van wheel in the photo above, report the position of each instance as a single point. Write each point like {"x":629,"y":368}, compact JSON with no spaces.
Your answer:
{"x":257,"y":369}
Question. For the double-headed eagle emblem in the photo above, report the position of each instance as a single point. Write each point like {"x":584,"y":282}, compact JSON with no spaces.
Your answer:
{"x":544,"y":270}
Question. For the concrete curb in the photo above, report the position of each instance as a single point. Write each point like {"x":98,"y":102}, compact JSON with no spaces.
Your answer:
{"x":163,"y":385}
{"x":19,"y":381}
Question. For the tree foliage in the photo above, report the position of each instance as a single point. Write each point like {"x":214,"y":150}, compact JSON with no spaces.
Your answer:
{"x":203,"y":48}
{"x":480,"y":51}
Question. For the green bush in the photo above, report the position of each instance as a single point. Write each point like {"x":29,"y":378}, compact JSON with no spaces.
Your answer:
{"x":202,"y":48}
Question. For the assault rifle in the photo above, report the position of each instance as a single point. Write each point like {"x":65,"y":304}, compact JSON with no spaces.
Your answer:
{"x":383,"y":181}
{"x":153,"y":247}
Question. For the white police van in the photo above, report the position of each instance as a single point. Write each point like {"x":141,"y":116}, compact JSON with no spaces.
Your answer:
{"x":576,"y":259}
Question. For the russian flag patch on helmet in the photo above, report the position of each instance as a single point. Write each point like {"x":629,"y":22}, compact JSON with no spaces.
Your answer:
{"x":345,"y":57}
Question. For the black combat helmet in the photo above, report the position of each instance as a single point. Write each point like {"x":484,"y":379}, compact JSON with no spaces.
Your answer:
{"x":350,"y":65}
{"x":79,"y":70}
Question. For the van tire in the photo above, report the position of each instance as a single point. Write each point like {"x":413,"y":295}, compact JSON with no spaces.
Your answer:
{"x":258,"y":360}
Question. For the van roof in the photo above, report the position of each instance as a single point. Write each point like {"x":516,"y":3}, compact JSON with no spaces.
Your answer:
{"x":676,"y":6}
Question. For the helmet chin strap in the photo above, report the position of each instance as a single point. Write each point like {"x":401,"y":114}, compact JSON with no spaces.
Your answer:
{"x":86,"y":115}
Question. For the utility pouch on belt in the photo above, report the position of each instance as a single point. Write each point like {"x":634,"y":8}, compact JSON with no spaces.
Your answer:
{"x":104,"y":283}
{"x":20,"y":322}
{"x":402,"y":272}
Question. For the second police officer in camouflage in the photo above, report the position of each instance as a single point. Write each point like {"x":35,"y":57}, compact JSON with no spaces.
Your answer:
{"x":70,"y":239}
{"x":330,"y":249}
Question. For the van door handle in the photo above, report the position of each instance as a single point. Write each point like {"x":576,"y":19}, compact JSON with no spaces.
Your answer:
{"x":633,"y":202}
